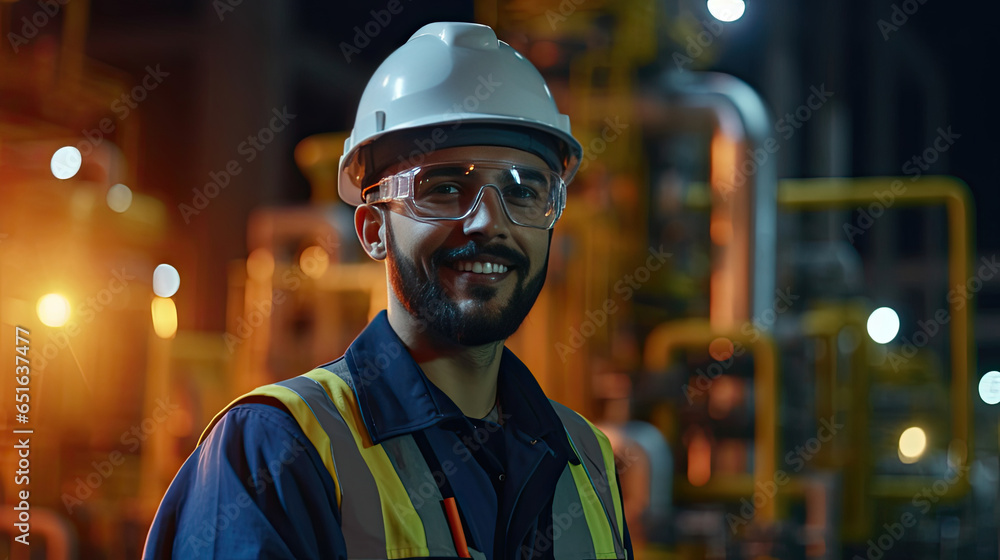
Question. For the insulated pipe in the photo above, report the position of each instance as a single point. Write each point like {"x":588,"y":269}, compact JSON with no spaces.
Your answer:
{"x":743,"y":276}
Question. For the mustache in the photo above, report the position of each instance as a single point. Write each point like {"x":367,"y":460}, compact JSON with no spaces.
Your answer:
{"x":471,"y":250}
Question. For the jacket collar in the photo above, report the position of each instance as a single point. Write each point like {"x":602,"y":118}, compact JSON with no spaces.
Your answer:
{"x":396,"y":398}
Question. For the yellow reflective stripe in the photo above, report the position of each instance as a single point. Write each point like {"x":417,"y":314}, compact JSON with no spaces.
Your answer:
{"x":605,"y":487}
{"x":593,"y":512}
{"x":609,"y":469}
{"x":404,"y":532}
{"x":304,"y":417}
{"x":570,"y":537}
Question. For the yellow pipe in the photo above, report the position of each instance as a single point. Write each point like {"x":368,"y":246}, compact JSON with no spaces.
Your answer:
{"x":839,"y":192}
{"x":827,"y":323}
{"x":699,"y":333}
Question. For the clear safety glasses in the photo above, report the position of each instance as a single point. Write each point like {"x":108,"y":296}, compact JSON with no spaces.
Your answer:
{"x":532,"y":197}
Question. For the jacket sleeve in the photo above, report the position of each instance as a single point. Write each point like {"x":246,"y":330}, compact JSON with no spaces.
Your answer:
{"x":255,"y":488}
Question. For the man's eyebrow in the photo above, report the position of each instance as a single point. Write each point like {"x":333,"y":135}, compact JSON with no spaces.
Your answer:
{"x":531,"y":175}
{"x":444,"y":172}
{"x":524,"y":174}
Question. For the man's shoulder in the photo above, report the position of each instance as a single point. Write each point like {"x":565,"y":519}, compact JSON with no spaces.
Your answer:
{"x":270,"y":404}
{"x":244,"y":425}
{"x":574,"y":421}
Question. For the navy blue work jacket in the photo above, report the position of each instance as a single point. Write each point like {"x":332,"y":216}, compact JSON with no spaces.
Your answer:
{"x":257,"y":488}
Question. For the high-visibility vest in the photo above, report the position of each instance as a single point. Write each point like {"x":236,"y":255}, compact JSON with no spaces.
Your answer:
{"x":382,"y":490}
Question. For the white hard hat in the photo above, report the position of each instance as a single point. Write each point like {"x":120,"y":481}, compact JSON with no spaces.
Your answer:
{"x":453,"y":84}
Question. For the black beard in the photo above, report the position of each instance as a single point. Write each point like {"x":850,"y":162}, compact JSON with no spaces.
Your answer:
{"x":426,"y":300}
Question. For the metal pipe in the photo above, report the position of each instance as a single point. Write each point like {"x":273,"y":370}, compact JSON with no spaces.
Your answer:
{"x":698,"y":333}
{"x":741,"y":116}
{"x":954,"y":194}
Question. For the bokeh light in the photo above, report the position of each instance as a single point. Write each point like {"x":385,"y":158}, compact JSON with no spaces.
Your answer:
{"x":699,"y":459}
{"x":912,"y":443}
{"x":883,"y":325}
{"x":721,"y":349}
{"x":314,"y":261}
{"x":164,"y":317}
{"x":66,"y":162}
{"x":166,"y":281}
{"x":260,"y":265}
{"x":119,"y":198}
{"x":53,"y":310}
{"x":989,"y":387}
{"x":727,"y":10}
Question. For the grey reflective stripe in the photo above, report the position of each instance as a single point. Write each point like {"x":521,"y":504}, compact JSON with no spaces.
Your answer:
{"x":413,"y":471}
{"x":570,"y":532}
{"x":585,"y":440}
{"x":361,"y":511}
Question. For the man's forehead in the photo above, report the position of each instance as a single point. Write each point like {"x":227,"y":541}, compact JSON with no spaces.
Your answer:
{"x":474,"y":154}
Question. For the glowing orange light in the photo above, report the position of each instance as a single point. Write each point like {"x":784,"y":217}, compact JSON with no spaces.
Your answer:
{"x":723,"y":396}
{"x":53,"y":310}
{"x":164,"y":317}
{"x":260,"y":265}
{"x":314,"y":261}
{"x":699,"y":459}
{"x":721,"y":349}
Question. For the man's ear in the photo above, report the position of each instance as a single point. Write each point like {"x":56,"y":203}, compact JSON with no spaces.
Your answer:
{"x":369,"y":222}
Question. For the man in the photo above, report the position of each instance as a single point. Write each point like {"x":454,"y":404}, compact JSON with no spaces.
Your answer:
{"x":427,"y":438}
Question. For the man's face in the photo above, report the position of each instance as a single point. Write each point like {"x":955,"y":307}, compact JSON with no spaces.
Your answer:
{"x":428,"y":261}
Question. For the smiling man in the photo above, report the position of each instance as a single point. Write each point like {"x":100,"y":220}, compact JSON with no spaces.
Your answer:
{"x":428,"y":438}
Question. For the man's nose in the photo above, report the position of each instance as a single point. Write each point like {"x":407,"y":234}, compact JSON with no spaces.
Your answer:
{"x":488,"y":216}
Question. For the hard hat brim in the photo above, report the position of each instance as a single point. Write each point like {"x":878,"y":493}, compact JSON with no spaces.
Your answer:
{"x":413,"y":141}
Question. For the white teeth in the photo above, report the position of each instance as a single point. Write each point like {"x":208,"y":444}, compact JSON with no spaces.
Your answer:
{"x":480,"y":268}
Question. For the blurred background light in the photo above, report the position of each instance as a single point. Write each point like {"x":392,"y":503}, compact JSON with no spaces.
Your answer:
{"x":314,"y":261}
{"x":119,"y":198}
{"x":53,"y":310}
{"x":989,"y":387}
{"x":699,"y":459}
{"x":82,"y":203}
{"x":883,"y":325}
{"x":726,"y":10}
{"x":164,"y":317}
{"x":912,"y":443}
{"x":66,"y":162}
{"x":721,"y":349}
{"x":260,"y":264}
{"x":166,"y":280}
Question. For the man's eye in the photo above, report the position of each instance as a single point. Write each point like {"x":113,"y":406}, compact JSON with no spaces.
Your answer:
{"x":443,"y":188}
{"x":520,"y":191}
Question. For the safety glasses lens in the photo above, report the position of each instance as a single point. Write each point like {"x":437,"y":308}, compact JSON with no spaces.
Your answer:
{"x":530,"y":196}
